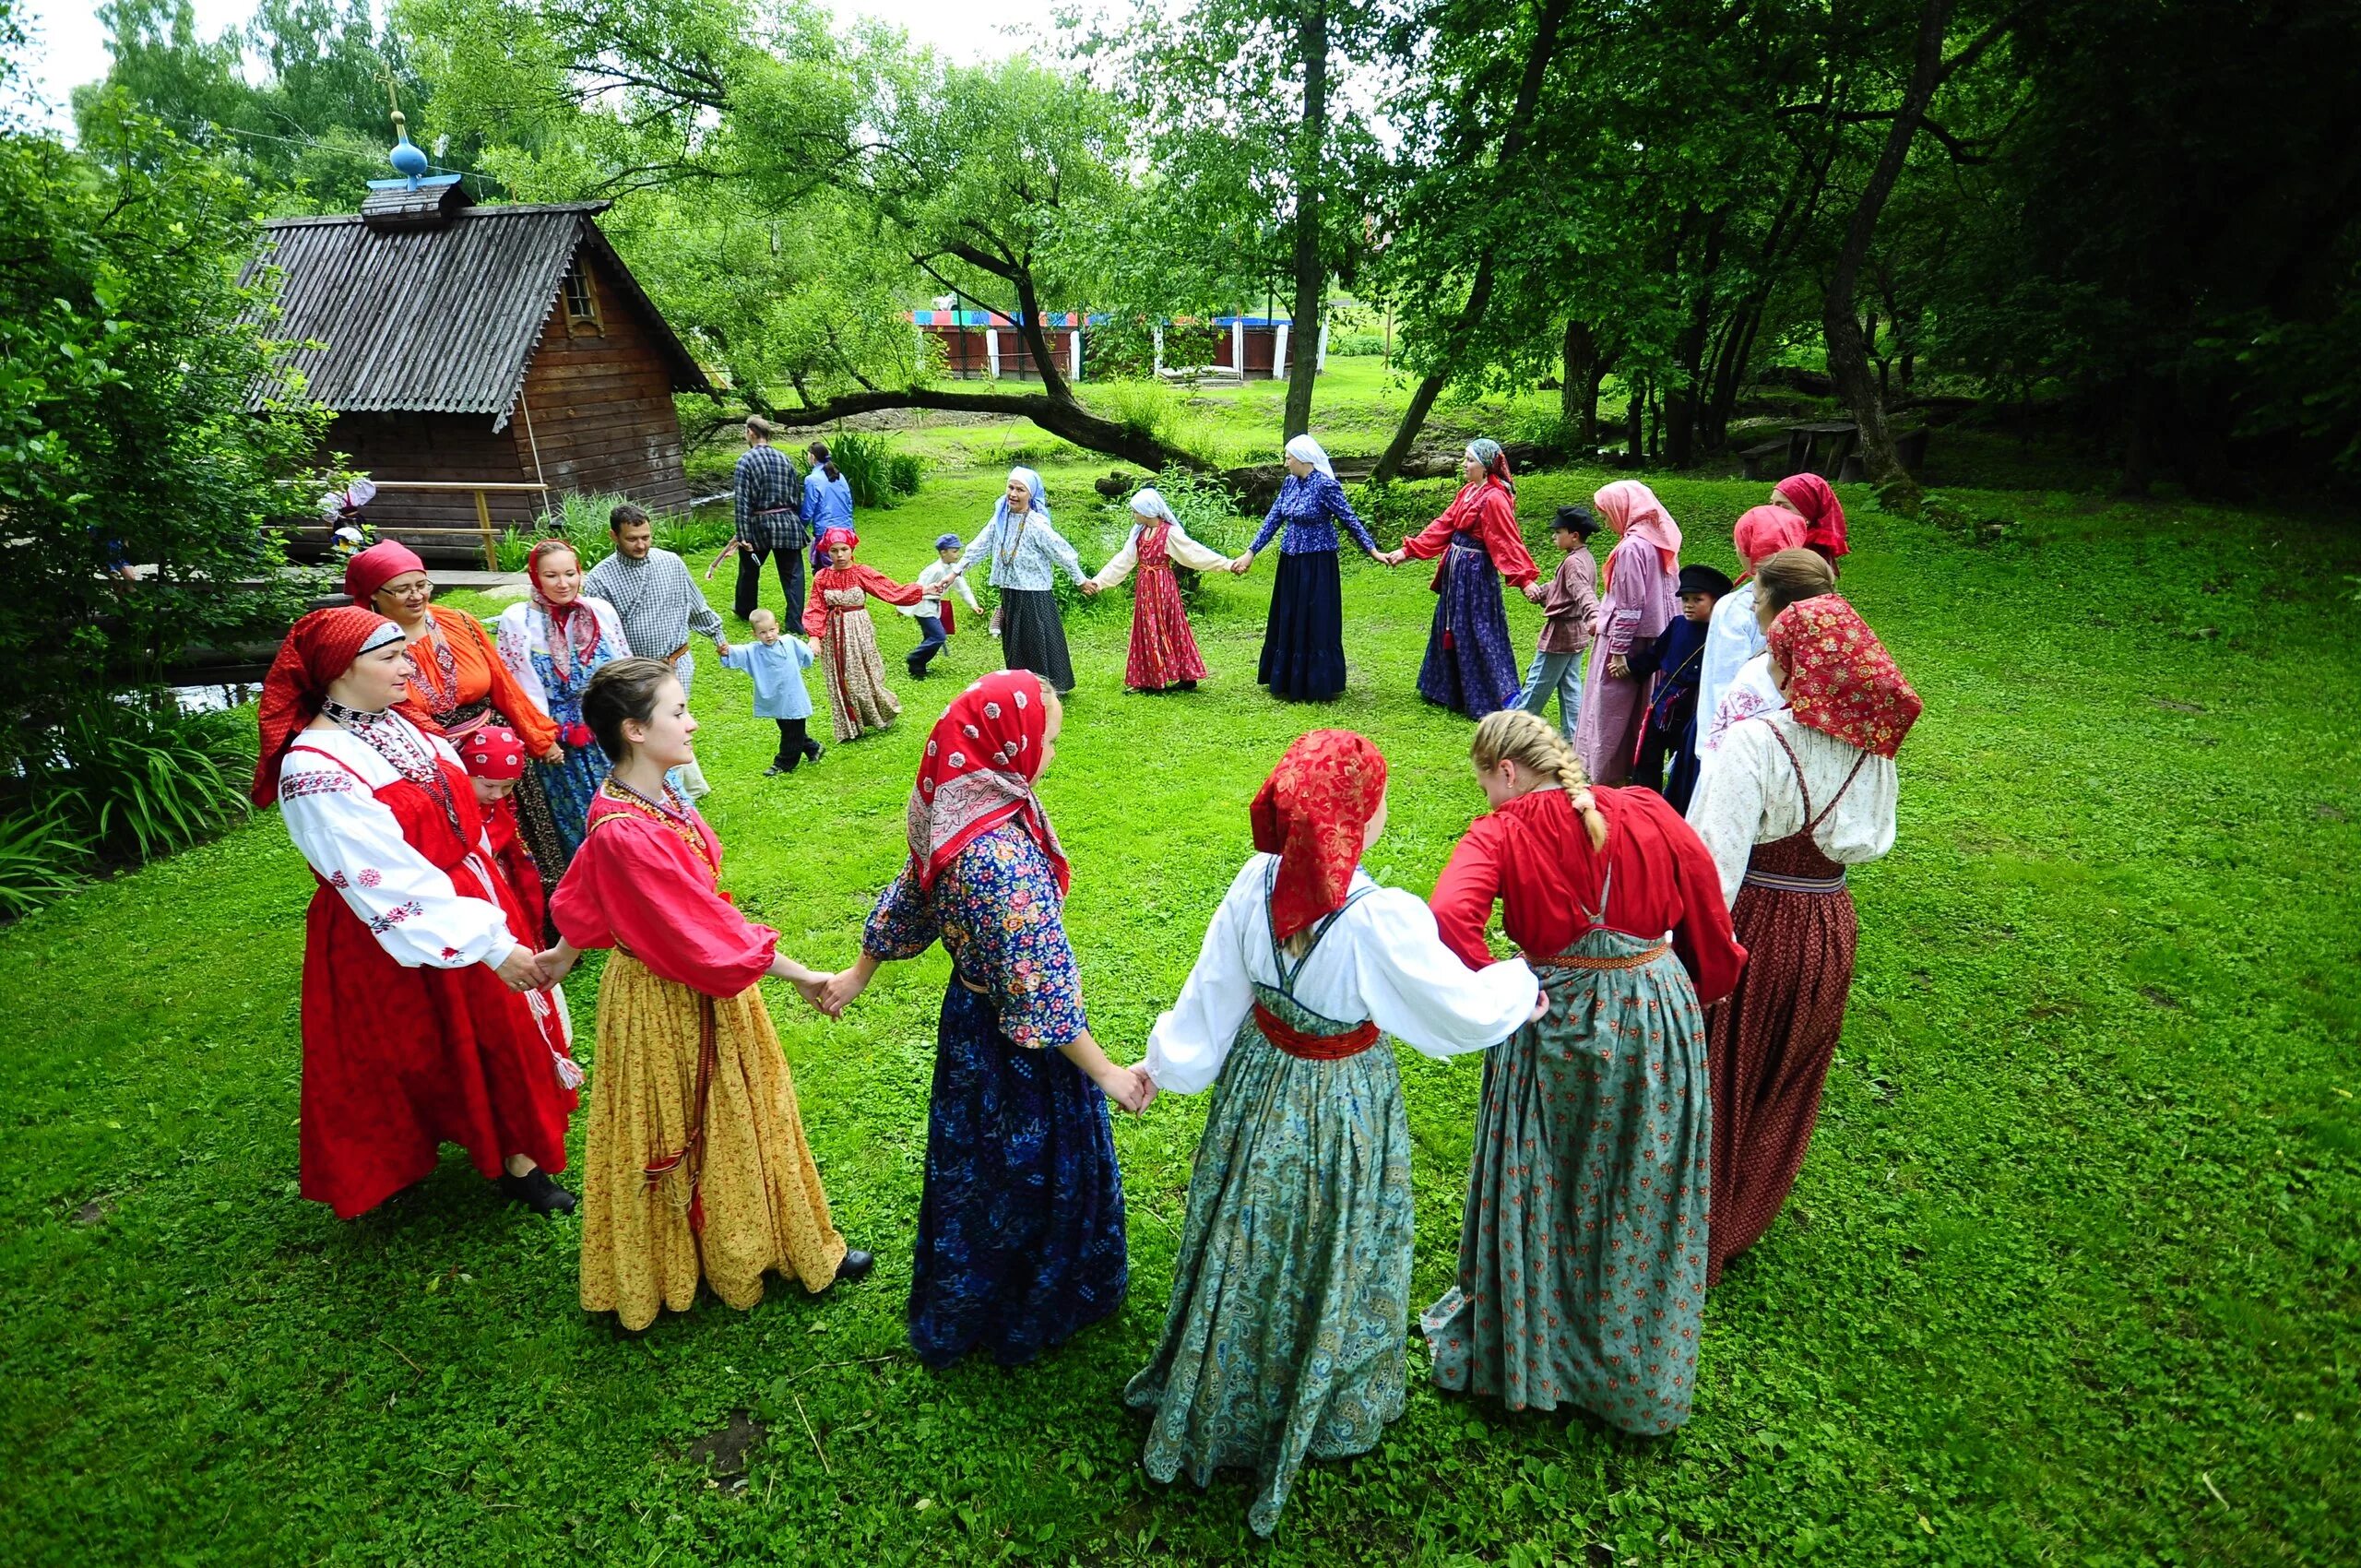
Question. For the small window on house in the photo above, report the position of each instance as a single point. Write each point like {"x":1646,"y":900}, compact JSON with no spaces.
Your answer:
{"x":581,"y":303}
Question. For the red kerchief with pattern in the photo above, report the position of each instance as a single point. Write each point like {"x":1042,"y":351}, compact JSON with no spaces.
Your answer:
{"x":1310,"y":813}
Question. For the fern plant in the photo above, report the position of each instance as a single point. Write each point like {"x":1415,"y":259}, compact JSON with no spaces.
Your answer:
{"x":41,"y":859}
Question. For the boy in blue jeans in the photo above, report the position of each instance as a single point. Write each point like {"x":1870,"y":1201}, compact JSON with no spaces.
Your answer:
{"x":932,"y":616}
{"x":777,"y":664}
{"x":1570,"y":605}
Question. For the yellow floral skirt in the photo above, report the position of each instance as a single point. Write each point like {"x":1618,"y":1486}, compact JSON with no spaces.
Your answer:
{"x":664,"y":1203}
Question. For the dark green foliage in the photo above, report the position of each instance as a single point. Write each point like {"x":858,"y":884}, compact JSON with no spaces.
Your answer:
{"x":138,"y":778}
{"x":41,"y":858}
{"x":881,"y":473}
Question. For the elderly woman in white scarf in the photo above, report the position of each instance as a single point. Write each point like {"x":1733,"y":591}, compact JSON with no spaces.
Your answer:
{"x":1164,"y":655}
{"x":1025,"y":554}
{"x":1303,"y":643}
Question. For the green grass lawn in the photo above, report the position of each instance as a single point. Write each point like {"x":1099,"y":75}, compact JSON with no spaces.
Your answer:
{"x":2073,"y":1275}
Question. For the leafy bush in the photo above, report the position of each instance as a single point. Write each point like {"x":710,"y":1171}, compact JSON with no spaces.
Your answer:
{"x":1356,"y":345}
{"x":581,"y":519}
{"x":1206,"y":511}
{"x":40,"y":857}
{"x":137,"y":778}
{"x":1393,"y":511}
{"x":880,"y":472}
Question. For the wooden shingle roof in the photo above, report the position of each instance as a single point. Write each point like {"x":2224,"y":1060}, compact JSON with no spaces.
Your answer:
{"x":436,"y":320}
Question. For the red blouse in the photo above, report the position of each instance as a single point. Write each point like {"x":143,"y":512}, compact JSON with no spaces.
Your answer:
{"x":869,"y":579}
{"x":1486,"y":510}
{"x":637,"y":883}
{"x":1533,"y":856}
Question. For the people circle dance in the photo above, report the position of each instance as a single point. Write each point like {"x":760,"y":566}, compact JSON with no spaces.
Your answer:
{"x":1794,"y":797}
{"x":1026,"y":554}
{"x":552,"y":642}
{"x":1303,"y":641}
{"x":427,"y":1018}
{"x":1656,"y":1035}
{"x":1163,"y":655}
{"x":1471,"y":667}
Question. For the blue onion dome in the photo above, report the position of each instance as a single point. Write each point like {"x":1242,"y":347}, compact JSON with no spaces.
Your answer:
{"x":407,"y":160}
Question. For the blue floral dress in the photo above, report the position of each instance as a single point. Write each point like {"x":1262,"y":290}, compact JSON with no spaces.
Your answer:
{"x":1021,"y":1242}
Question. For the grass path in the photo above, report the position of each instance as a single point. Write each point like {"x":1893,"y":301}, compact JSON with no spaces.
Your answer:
{"x":2073,"y":1272}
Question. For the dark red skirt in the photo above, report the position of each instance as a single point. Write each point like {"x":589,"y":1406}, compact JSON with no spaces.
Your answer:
{"x":1769,"y":1046}
{"x":1163,"y":652}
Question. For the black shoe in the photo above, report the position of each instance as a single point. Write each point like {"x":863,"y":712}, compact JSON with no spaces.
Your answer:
{"x":537,"y":1192}
{"x":775,"y":769}
{"x":811,"y":751}
{"x":856,"y":1267}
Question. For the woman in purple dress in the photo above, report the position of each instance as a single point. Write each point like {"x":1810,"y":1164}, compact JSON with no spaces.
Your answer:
{"x":1636,"y":600}
{"x":1303,"y":642}
{"x":1470,"y":665}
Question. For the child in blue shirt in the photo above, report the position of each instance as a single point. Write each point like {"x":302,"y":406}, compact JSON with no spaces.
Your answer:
{"x":777,"y":664}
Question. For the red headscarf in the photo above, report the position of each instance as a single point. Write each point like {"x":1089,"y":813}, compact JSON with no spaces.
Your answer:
{"x":1310,"y":813}
{"x":1636,"y":513}
{"x":1840,"y":680}
{"x":494,"y":751}
{"x":981,"y":758}
{"x":1823,"y":515}
{"x":319,"y":648}
{"x":1763,"y":531}
{"x":574,"y":630}
{"x":833,"y":538}
{"x":372,"y":568}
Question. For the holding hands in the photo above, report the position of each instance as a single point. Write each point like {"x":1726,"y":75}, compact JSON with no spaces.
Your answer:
{"x":1090,"y":587}
{"x":1239,"y":565}
{"x":1391,"y":557}
{"x":522,"y":971}
{"x":1533,"y":591}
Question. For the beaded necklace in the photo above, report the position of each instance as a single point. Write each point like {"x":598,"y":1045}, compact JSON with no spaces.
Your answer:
{"x":402,"y":747}
{"x":672,"y":812}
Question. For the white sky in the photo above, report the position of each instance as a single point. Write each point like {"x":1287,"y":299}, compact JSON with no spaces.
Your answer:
{"x":69,"y":44}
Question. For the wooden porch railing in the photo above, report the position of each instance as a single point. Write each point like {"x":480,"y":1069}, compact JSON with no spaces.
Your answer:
{"x":483,"y":530}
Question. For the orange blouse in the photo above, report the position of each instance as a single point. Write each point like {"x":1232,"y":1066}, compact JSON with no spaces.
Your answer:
{"x":482,"y":678}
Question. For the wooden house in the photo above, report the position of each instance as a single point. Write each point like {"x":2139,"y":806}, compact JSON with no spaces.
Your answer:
{"x":468,"y":346}
{"x":977,"y":345}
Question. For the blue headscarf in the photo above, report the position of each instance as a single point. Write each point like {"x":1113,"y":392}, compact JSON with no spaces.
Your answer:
{"x":1040,"y":497}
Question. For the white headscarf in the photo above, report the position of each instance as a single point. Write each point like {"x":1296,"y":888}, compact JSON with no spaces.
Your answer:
{"x":1149,"y":503}
{"x":1304,"y":449}
{"x":1032,"y":482}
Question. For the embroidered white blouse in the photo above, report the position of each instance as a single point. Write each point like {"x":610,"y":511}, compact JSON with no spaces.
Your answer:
{"x":1731,"y":639}
{"x":356,"y":846}
{"x":1026,"y":552}
{"x":1184,"y":550}
{"x":1748,"y":796}
{"x":1382,"y":959}
{"x":524,"y":627}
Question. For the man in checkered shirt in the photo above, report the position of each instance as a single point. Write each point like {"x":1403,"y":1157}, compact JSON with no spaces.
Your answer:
{"x":770,"y":522}
{"x":658,"y":605}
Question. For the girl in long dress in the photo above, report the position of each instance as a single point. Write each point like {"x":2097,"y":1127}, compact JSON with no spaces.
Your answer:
{"x":696,"y":1165}
{"x":1164,"y":655}
{"x":1471,"y":667}
{"x":552,"y":642}
{"x":427,"y":1019}
{"x":1021,"y":1228}
{"x":1813,"y":499}
{"x":845,"y":638}
{"x":1581,"y":1256}
{"x":1026,"y":554}
{"x":1794,"y":797}
{"x":1636,"y":600}
{"x":1303,"y":641}
{"x":1291,"y":1289}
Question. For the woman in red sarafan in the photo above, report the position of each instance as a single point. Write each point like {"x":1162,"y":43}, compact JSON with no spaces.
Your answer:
{"x":425,"y":1021}
{"x":1795,"y":796}
{"x":845,"y":639}
{"x":1164,"y":655}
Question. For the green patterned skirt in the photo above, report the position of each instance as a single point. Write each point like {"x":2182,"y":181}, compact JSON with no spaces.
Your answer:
{"x":1582,"y":1256}
{"x":1291,"y":1290}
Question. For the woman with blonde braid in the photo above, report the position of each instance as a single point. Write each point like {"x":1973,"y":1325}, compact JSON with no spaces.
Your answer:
{"x":1581,"y":1255}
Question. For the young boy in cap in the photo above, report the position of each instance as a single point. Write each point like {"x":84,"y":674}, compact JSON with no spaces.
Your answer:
{"x":934,"y":616}
{"x":1678,"y":658}
{"x":1570,"y":605}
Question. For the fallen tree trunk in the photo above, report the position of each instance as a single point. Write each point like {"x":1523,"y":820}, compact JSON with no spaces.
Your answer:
{"x":1059,"y":416}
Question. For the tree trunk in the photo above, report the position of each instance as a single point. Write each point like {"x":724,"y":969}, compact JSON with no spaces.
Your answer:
{"x":1635,"y":413}
{"x":1311,"y":271}
{"x":1597,"y":374}
{"x":1577,"y":384}
{"x":1480,"y":296}
{"x":1057,"y":415}
{"x":1848,"y":356}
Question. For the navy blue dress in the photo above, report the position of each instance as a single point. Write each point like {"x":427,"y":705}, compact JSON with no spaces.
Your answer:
{"x":1676,"y":657}
{"x":1303,"y":642}
{"x":1020,"y":1239}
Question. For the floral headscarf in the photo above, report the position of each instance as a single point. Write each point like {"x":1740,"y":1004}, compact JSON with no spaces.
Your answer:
{"x":494,"y":751}
{"x":1310,"y":813}
{"x":1823,"y":515}
{"x":1840,"y":680}
{"x":982,"y":759}
{"x":1487,"y":452}
{"x":574,"y":630}
{"x":319,"y":650}
{"x":835,"y":537}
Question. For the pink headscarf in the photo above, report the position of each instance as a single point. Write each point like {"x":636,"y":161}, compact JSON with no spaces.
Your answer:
{"x":1632,"y":509}
{"x":371,"y":569}
{"x":1763,"y":531}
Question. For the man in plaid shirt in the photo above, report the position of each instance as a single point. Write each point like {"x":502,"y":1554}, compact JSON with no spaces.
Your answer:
{"x":770,"y":522}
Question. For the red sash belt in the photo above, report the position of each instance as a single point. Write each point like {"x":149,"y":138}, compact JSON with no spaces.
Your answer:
{"x":1314,"y":1048}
